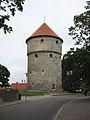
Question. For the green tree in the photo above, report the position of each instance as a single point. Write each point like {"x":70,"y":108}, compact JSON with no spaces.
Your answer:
{"x":8,"y":9}
{"x":81,"y":29}
{"x":81,"y":34}
{"x":76,"y":69}
{"x":76,"y":63}
{"x":4,"y":75}
{"x":70,"y":78}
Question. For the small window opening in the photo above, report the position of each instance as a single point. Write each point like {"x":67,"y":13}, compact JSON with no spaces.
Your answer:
{"x":42,"y":70}
{"x":30,"y":72}
{"x":51,"y":55}
{"x":53,"y":86}
{"x":57,"y":42}
{"x":36,"y":55}
{"x":42,"y":40}
{"x":32,"y":83}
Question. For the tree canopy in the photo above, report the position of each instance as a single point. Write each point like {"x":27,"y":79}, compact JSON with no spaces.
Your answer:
{"x":4,"y":75}
{"x":81,"y":29}
{"x":76,"y":69}
{"x":76,"y":63}
{"x":8,"y":9}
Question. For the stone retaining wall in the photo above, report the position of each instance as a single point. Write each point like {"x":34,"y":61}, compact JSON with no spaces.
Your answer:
{"x":8,"y":95}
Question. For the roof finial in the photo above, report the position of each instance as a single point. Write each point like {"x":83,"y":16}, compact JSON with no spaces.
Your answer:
{"x":44,"y":18}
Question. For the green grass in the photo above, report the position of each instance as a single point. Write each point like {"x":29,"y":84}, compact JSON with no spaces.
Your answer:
{"x":31,"y":93}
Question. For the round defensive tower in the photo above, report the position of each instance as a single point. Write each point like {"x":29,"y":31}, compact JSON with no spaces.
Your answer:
{"x":44,"y":50}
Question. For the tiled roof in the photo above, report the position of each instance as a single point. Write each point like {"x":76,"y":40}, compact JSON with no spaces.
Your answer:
{"x":44,"y":30}
{"x":19,"y":86}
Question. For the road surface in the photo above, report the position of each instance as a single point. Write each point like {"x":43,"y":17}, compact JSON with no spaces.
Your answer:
{"x":45,"y":108}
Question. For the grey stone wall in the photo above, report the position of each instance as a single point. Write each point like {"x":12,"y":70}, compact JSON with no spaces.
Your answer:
{"x":44,"y":63}
{"x":44,"y":44}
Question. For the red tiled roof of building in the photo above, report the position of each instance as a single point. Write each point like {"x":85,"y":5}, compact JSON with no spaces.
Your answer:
{"x":19,"y":86}
{"x":44,"y":30}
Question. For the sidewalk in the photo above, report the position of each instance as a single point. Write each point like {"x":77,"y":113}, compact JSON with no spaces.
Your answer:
{"x":23,"y":99}
{"x":5,"y":104}
{"x":77,"y":109}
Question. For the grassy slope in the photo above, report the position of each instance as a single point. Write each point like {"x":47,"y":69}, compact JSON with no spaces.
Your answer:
{"x":28,"y":93}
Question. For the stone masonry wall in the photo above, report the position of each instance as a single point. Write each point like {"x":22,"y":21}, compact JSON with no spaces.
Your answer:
{"x":44,"y":63}
{"x":8,"y":95}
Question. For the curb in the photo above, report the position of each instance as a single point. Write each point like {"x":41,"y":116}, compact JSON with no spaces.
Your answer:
{"x":6,"y":104}
{"x":3,"y":105}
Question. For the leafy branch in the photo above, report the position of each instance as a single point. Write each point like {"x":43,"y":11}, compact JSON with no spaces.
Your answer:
{"x":8,"y":9}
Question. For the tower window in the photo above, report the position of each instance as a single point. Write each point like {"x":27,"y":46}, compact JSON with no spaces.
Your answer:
{"x":53,"y":86}
{"x":42,"y":40}
{"x":30,"y":72}
{"x":32,"y":83}
{"x":51,"y":55}
{"x":42,"y":70}
{"x":56,"y":41}
{"x":36,"y":55}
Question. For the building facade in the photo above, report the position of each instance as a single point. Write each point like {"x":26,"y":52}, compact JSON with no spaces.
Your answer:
{"x":44,"y":50}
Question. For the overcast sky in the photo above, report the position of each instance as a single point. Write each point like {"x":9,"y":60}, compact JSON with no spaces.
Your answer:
{"x":59,"y":16}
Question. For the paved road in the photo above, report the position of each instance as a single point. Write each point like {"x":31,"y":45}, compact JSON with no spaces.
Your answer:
{"x":77,"y":109}
{"x":44,"y":108}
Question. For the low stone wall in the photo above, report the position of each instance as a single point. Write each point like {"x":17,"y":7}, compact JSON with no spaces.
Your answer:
{"x":8,"y":95}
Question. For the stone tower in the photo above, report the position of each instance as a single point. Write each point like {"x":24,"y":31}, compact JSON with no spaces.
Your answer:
{"x":44,"y":50}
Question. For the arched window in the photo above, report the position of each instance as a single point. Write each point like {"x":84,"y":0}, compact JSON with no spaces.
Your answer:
{"x":53,"y":86}
{"x":57,"y":42}
{"x":42,"y":72}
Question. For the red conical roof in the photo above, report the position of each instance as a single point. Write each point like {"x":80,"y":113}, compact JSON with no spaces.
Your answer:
{"x":44,"y":30}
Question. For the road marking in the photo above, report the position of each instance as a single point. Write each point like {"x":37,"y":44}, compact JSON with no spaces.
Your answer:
{"x":58,"y":114}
